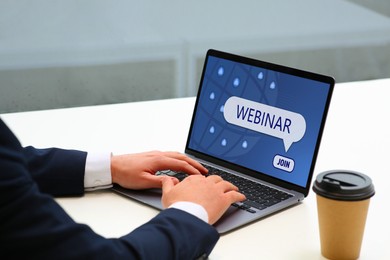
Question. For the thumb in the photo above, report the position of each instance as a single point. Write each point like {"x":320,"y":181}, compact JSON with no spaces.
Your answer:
{"x":235,"y":196}
{"x":153,"y":180}
{"x":167,"y":184}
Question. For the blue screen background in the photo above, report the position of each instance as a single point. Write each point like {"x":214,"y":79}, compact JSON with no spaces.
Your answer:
{"x":211,"y":134}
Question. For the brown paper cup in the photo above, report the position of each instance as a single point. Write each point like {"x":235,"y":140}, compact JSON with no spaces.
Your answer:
{"x":341,"y":225}
{"x":343,"y":198}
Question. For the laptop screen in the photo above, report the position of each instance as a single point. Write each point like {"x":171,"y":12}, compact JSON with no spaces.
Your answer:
{"x":260,"y":116}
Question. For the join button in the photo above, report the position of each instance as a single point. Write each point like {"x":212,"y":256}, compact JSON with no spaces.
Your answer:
{"x":283,"y":163}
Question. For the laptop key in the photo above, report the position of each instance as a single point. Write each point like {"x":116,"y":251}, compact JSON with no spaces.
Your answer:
{"x":271,"y":202}
{"x":282,"y":196}
{"x":254,"y":204}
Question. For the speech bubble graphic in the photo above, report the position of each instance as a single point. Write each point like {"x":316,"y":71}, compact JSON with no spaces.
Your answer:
{"x":265,"y":119}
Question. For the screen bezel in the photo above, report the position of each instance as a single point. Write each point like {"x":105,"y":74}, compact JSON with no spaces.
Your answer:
{"x":278,"y":68}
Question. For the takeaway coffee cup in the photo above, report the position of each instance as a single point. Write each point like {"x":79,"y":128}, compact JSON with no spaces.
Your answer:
{"x":342,"y":202}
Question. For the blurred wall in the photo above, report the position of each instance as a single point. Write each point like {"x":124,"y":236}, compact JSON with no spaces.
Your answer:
{"x":56,"y":53}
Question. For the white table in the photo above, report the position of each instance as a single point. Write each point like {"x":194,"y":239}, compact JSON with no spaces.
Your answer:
{"x":356,"y":137}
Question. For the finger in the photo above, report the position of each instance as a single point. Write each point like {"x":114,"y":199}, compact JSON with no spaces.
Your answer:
{"x":174,"y":164}
{"x":228,"y":186}
{"x":235,"y":196}
{"x":167,"y":184}
{"x":215,"y":178}
{"x":197,"y":165}
{"x":153,"y":181}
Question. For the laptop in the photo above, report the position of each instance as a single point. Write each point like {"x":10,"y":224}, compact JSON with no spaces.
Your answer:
{"x":258,"y":123}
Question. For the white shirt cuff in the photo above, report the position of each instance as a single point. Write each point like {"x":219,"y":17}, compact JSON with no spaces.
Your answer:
{"x":97,"y":171}
{"x":192,"y":208}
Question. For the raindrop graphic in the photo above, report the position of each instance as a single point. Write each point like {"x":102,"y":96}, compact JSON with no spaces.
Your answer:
{"x":260,"y":75}
{"x":272,"y":85}
{"x":212,"y":95}
{"x":221,"y":109}
{"x":224,"y":142}
{"x":212,"y":130}
{"x":244,"y":144}
{"x":236,"y":82}
{"x":221,"y":71}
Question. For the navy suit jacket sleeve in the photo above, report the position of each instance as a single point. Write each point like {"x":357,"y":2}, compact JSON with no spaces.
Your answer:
{"x":34,"y":226}
{"x":56,"y":171}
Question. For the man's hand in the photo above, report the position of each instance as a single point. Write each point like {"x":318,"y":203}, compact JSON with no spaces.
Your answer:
{"x":213,"y":193}
{"x":137,"y":171}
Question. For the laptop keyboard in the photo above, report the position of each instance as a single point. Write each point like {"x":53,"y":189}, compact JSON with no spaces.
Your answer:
{"x":258,"y":196}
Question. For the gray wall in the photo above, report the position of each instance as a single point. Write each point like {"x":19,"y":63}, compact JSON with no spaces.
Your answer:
{"x":57,"y":87}
{"x":56,"y":53}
